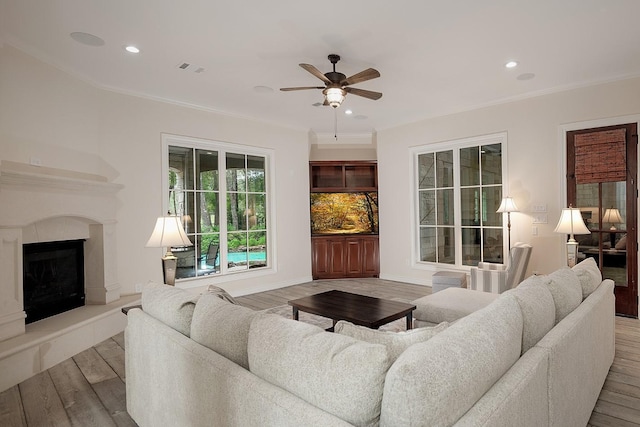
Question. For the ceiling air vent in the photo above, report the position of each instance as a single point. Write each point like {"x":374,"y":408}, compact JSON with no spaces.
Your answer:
{"x":184,"y":65}
{"x":190,"y":67}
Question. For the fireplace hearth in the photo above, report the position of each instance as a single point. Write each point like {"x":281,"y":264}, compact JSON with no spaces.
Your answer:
{"x":53,"y":278}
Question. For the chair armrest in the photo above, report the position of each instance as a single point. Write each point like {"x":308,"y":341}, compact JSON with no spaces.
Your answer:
{"x":491,"y":266}
{"x":486,"y":280}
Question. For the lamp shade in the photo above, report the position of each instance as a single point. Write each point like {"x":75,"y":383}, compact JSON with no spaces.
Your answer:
{"x":168,"y":232}
{"x":612,"y":216}
{"x":334,"y":96}
{"x":507,"y":205}
{"x":571,"y":222}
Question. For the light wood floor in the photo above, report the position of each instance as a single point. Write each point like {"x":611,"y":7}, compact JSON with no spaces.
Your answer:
{"x":89,"y":389}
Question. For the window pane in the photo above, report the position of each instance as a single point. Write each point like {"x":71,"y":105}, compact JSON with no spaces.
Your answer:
{"x":493,"y":245}
{"x":491,"y":198}
{"x":470,"y":206}
{"x":237,"y":255}
{"x":208,"y":178}
{"x":257,"y":249}
{"x":235,"y":172}
{"x":470,"y":166}
{"x":444,"y":169}
{"x":209,"y":218}
{"x":209,"y":254}
{"x":255,"y":174}
{"x":470,"y":246}
{"x":180,"y":168}
{"x":427,"y":207}
{"x":428,"y":244}
{"x":445,"y":206}
{"x":256,"y":212}
{"x":491,"y":164}
{"x":446,"y":245}
{"x":426,"y":172}
{"x":236,"y":211}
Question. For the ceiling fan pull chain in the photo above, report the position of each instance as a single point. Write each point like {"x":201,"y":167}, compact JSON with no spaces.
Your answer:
{"x":335,"y":122}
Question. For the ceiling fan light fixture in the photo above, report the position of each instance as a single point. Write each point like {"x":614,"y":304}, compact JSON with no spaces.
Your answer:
{"x":334,"y":96}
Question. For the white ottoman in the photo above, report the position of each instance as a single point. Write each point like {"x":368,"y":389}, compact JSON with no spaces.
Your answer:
{"x":449,"y":305}
{"x":447,"y":279}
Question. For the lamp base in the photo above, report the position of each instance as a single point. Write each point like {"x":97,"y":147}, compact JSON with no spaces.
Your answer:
{"x":572,"y":252}
{"x":169,"y":264}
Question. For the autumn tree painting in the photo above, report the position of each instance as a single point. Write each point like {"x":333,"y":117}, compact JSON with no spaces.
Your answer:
{"x":344,"y":213}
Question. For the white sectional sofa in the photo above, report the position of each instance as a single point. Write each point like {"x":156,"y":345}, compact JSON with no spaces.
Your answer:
{"x":536,"y":356}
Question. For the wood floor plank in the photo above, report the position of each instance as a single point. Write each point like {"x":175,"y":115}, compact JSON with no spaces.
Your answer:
{"x":119,"y":338}
{"x":113,"y":354}
{"x":93,"y":366}
{"x":622,"y":388}
{"x":620,"y":399}
{"x":602,"y":420}
{"x":617,"y":411}
{"x":112,"y":394}
{"x":11,"y":409}
{"x":81,"y":402}
{"x":42,"y":404}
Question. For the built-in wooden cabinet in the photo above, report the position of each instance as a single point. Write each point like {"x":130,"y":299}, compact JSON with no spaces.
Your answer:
{"x":345,"y":254}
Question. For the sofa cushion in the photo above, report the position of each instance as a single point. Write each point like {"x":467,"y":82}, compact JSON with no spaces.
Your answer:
{"x":223,"y":327}
{"x":396,"y":342}
{"x":336,"y":373}
{"x":589,"y":276}
{"x":172,"y":306}
{"x":451,"y":304}
{"x":435,"y":382}
{"x":221,"y":293}
{"x":566,"y":291}
{"x":538,"y":310}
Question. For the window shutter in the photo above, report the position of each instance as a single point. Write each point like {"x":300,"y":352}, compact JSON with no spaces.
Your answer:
{"x":601,"y":156}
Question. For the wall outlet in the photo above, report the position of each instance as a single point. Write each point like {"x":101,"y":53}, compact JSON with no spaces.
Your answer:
{"x":138,"y":287}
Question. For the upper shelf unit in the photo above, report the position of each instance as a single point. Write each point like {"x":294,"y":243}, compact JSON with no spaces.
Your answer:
{"x":343,"y":176}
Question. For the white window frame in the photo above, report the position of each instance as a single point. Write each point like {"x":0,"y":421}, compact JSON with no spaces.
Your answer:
{"x":455,"y":145}
{"x":223,"y":148}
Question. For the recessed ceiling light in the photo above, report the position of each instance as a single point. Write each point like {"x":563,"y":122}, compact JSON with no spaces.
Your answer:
{"x":87,"y":39}
{"x":348,"y":112}
{"x":132,"y":49}
{"x":511,"y":64}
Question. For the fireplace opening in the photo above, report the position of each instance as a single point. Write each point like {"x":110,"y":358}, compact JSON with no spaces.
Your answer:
{"x":53,"y":278}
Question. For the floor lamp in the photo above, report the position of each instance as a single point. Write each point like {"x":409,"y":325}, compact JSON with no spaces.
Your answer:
{"x":508,"y":206}
{"x":571,"y":223}
{"x":168,"y":233}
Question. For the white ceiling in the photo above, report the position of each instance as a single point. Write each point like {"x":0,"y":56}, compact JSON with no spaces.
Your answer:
{"x":435,"y":57}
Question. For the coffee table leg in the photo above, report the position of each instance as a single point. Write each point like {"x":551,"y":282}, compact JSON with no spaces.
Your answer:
{"x":295,"y":313}
{"x":409,"y":321}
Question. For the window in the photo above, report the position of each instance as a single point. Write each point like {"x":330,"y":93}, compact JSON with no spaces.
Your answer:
{"x":458,"y":190}
{"x":220,"y":192}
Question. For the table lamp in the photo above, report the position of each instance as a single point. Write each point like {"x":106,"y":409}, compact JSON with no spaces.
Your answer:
{"x":168,"y":233}
{"x":571,"y":223}
{"x":612,"y":216}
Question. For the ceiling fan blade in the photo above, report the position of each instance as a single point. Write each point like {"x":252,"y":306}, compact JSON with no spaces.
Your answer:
{"x":365,"y":93}
{"x":286,"y":89}
{"x":362,"y":76}
{"x":313,"y":70}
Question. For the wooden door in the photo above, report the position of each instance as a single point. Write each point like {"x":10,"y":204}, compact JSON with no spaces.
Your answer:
{"x":602,"y":182}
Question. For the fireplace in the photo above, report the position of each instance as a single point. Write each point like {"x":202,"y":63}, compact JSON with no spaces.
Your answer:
{"x":53,"y":278}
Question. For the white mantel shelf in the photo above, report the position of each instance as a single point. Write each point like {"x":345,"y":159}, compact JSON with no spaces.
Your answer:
{"x":20,"y":179}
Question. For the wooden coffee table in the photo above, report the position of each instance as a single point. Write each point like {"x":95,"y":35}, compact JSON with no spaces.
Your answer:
{"x":358,"y":309}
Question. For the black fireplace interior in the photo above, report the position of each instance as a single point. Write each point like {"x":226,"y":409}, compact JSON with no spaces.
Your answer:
{"x":53,"y":278}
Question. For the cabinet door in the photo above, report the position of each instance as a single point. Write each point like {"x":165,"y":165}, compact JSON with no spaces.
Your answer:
{"x":337,"y":261}
{"x":370,"y":257}
{"x":321,"y":260}
{"x":354,"y":257}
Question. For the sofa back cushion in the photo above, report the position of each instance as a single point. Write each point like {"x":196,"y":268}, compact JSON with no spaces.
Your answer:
{"x":434,"y":383}
{"x":566,"y":291}
{"x":538,"y":310}
{"x":589,"y":276}
{"x":223,"y":327}
{"x":172,"y":306}
{"x":396,"y":342}
{"x":336,"y":373}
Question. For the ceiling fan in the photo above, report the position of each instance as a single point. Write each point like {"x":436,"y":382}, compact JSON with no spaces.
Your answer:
{"x":337,"y":85}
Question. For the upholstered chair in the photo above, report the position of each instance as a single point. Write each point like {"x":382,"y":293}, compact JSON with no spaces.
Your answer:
{"x":497,"y":278}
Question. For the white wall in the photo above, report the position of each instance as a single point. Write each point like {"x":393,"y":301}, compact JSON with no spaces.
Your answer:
{"x":535,"y":167}
{"x":69,"y":124}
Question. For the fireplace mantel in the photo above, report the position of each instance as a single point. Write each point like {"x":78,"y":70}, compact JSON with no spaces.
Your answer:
{"x":40,"y":204}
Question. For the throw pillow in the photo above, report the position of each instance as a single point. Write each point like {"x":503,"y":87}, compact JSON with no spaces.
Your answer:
{"x":622,"y":243}
{"x":566,"y":291}
{"x":223,"y":327}
{"x":221,"y":293}
{"x":396,"y":342}
{"x":589,"y":276}
{"x":538,"y":310}
{"x":172,"y":306}
{"x":336,"y":373}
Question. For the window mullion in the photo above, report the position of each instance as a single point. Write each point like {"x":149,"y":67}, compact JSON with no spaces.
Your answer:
{"x":222,"y":210}
{"x":457,"y":208}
